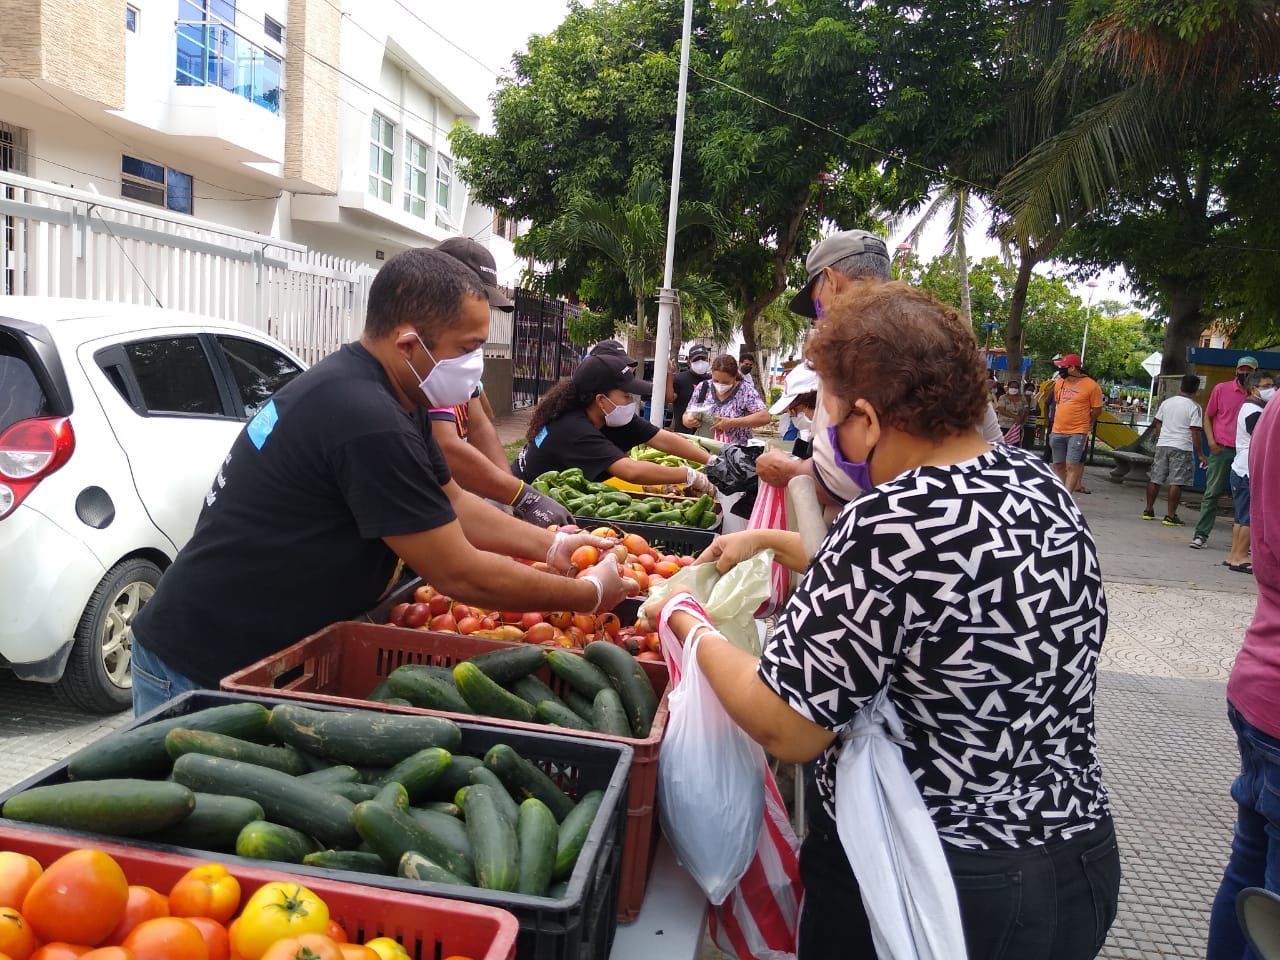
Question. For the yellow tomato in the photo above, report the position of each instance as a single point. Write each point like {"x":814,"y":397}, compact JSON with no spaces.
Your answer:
{"x":276,"y":912}
{"x":388,"y":949}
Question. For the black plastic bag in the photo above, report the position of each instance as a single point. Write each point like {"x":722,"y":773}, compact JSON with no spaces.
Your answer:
{"x":735,"y":468}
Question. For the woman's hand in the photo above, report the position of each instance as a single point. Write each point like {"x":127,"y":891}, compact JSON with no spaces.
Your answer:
{"x":725,"y":424}
{"x":652,"y":609}
{"x":730,"y":549}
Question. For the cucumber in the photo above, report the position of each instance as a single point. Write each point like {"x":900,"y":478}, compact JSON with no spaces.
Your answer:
{"x":393,"y":794}
{"x":418,"y":772}
{"x":416,"y":866}
{"x":355,"y":792}
{"x":393,"y":833}
{"x":487,"y":698}
{"x":557,"y":714}
{"x":340,"y":773}
{"x":584,"y":677}
{"x":558,"y":890}
{"x":534,"y":691}
{"x":120,"y":807}
{"x":459,"y":799}
{"x":609,"y":716}
{"x":285,"y":759}
{"x":440,"y":806}
{"x":435,"y":670}
{"x":522,"y":780}
{"x":580,"y":705}
{"x":397,"y":702}
{"x":140,"y":752}
{"x":427,"y":691}
{"x":510,"y":664}
{"x":631,"y":682}
{"x":285,"y":800}
{"x":361,"y":737}
{"x":448,"y":829}
{"x":573,"y":833}
{"x":380,"y":692}
{"x":506,"y":806}
{"x":456,"y":776}
{"x":214,"y":824}
{"x":494,"y":847}
{"x":539,"y":838}
{"x":356,"y":861}
{"x":262,"y":840}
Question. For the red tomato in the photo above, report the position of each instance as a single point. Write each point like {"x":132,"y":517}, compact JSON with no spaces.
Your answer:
{"x":336,"y":932}
{"x":143,"y":904}
{"x":585,"y":556}
{"x":17,"y":873}
{"x":205,"y":891}
{"x":309,"y":946}
{"x":110,"y":953}
{"x":166,"y":938}
{"x":17,"y":941}
{"x":60,"y":951}
{"x":216,"y":938}
{"x":79,"y":899}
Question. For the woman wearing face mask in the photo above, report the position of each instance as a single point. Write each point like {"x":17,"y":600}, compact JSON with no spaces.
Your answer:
{"x":589,"y":421}
{"x":728,"y":402}
{"x":1012,"y":410}
{"x":680,"y":387}
{"x":799,"y":400}
{"x":919,"y":600}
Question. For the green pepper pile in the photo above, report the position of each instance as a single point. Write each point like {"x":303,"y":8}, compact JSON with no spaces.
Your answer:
{"x":650,"y":455}
{"x":583,"y":498}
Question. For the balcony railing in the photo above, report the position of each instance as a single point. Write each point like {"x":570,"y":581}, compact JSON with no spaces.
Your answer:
{"x":212,"y":53}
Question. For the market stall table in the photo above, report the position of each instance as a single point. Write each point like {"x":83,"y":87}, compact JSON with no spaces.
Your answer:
{"x":672,"y":920}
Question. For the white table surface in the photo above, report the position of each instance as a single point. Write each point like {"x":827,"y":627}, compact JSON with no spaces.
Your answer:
{"x":672,"y":918}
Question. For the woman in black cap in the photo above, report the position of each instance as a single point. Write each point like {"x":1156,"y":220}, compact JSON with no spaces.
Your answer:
{"x":588,"y":420}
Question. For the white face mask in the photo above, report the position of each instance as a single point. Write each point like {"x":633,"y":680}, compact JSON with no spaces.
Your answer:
{"x":451,"y":381}
{"x":620,"y":415}
{"x":1013,"y":391}
{"x":802,"y":422}
{"x":1267,"y":393}
{"x":722,"y":388}
{"x":700,"y":367}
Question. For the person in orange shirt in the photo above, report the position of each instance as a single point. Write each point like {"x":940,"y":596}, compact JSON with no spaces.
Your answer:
{"x":1077,"y":402}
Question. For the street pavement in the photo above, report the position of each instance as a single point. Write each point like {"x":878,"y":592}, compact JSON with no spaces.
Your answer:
{"x":1176,"y":619}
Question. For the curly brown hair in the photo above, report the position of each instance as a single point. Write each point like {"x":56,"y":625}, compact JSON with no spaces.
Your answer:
{"x":555,"y":403}
{"x":912,"y":358}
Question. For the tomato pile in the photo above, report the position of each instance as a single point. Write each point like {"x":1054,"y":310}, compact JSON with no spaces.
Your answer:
{"x":83,"y":906}
{"x":637,"y":560}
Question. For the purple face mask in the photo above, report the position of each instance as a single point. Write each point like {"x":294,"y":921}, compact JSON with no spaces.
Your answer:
{"x":817,"y":309}
{"x":859,"y":473}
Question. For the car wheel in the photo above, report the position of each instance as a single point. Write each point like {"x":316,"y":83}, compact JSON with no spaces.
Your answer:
{"x":97,"y":677}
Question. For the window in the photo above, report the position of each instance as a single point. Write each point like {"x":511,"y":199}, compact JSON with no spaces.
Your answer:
{"x":415,"y":176}
{"x":444,"y":182}
{"x":131,"y":18}
{"x":505,"y":227}
{"x":21,"y":396}
{"x":273,"y":29}
{"x":153,"y":183}
{"x":381,"y":156}
{"x":174,"y":376}
{"x":258,"y":371}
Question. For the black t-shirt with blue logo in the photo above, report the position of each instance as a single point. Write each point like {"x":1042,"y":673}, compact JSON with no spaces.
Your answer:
{"x":290,"y":536}
{"x":572,"y":440}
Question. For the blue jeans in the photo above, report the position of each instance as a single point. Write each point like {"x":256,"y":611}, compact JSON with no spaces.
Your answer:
{"x":154,"y":683}
{"x":1255,"y":848}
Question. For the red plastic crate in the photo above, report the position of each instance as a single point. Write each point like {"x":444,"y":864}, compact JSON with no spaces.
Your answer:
{"x":428,"y":927}
{"x":340,"y":664}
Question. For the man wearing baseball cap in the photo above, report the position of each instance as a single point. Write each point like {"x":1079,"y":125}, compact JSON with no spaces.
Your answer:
{"x":681,"y":386}
{"x":1077,"y":401}
{"x":1220,"y":413}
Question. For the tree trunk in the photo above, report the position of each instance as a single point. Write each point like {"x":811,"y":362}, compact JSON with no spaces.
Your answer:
{"x":642,"y":348}
{"x":1027,"y":259}
{"x":1186,"y":321}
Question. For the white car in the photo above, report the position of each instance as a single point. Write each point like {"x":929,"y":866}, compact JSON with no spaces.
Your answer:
{"x":114,"y":420}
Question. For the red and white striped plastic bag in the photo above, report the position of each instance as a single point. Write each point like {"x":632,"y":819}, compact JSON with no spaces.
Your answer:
{"x":770,"y":513}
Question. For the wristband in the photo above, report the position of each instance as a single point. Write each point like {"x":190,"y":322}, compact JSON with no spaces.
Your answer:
{"x":595,"y":582}
{"x":555,"y":544}
{"x":519,"y":491}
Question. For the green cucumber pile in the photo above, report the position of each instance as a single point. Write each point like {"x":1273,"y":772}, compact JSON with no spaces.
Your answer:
{"x":374,"y":793}
{"x":583,"y":498}
{"x":608,"y":691}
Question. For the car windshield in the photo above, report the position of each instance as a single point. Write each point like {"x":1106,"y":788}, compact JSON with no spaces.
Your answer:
{"x":21,"y":396}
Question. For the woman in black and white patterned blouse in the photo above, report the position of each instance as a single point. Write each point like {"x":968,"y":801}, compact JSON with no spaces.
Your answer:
{"x":965,"y":583}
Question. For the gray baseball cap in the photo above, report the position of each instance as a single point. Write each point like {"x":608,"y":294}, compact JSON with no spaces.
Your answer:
{"x":832,"y":250}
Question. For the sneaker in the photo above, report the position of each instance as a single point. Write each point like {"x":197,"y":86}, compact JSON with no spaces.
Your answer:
{"x":1173,"y":522}
{"x":1148,"y":514}
{"x":1197,"y":542}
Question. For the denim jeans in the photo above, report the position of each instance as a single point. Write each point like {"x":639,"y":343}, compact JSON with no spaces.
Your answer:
{"x":154,"y":683}
{"x":1255,"y":848}
{"x":1051,"y":902}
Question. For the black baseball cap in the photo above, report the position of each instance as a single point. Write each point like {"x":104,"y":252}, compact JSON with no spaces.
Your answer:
{"x":476,"y":256}
{"x":602,"y":372}
{"x":832,"y":250}
{"x":608,"y":348}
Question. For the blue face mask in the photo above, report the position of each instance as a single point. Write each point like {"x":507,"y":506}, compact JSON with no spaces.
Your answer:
{"x":859,"y":473}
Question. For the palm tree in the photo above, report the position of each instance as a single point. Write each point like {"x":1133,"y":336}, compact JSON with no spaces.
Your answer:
{"x":955,"y":199}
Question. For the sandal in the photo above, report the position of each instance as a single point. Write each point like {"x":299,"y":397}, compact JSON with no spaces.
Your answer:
{"x":1245,"y":567}
{"x":1084,"y":490}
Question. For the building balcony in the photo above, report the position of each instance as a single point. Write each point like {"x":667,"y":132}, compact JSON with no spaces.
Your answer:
{"x":211,"y":53}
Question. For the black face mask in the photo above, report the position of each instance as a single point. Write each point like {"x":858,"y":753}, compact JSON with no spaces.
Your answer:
{"x":1241,"y":378}
{"x":1062,"y":371}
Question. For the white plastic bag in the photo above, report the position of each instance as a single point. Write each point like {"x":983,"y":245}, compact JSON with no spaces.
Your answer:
{"x":730,"y":600}
{"x":893,"y":845}
{"x":710,"y":784}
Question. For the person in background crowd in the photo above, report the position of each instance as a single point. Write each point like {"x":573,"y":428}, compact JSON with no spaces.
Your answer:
{"x":1253,"y":707}
{"x":745,"y":366}
{"x":1046,"y":405}
{"x":1220,"y":414}
{"x":1012,"y":410}
{"x":799,"y":400}
{"x":333,"y":480}
{"x":729,"y":402}
{"x":465,"y":432}
{"x":1178,"y":420}
{"x":588,"y":420}
{"x":680,"y":386}
{"x":1077,"y":401}
{"x":1260,"y":388}
{"x":1014,"y":788}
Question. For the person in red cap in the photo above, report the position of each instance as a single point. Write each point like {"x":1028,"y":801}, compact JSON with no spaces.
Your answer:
{"x":1077,"y":400}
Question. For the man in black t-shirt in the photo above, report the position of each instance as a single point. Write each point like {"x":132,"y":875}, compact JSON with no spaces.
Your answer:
{"x":680,"y":387}
{"x":337,"y":477}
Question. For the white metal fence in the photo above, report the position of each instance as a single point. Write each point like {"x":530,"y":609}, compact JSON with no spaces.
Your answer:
{"x":57,"y":241}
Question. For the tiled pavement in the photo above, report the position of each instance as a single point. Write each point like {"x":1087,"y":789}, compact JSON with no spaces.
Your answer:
{"x":1176,"y":621}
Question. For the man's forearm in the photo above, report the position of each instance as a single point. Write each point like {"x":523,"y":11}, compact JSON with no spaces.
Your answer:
{"x":488,"y":528}
{"x":477,"y":474}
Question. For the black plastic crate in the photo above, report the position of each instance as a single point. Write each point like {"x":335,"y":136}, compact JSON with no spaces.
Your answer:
{"x":628,"y":610}
{"x":579,"y":927}
{"x":677,"y":540}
